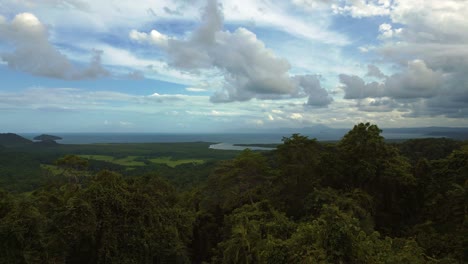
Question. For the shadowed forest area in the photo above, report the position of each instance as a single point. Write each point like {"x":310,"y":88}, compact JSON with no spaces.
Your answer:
{"x":358,"y":200}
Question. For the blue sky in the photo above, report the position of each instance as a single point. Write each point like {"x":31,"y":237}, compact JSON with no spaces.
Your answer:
{"x":216,"y":66}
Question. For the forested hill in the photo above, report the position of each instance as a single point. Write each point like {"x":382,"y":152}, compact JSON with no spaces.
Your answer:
{"x":45,"y":137}
{"x":360,"y":200}
{"x":11,"y":139}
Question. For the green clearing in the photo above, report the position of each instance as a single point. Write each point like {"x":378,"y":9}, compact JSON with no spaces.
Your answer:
{"x":24,"y":167}
{"x":135,"y":161}
{"x":173,"y":163}
{"x":98,"y":157}
{"x":129,"y":161}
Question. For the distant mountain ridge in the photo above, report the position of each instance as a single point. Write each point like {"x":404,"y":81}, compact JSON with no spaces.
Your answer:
{"x":12,"y":140}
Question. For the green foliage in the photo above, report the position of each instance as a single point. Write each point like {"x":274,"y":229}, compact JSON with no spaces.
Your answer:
{"x":254,"y":234}
{"x":335,"y":237}
{"x":357,"y":201}
{"x":108,"y":221}
{"x":72,"y":162}
{"x":298,"y":161}
{"x":377,"y":168}
{"x":237,"y":182}
{"x":20,"y":171}
{"x":443,"y":224}
{"x":429,"y":148}
{"x":370,"y":160}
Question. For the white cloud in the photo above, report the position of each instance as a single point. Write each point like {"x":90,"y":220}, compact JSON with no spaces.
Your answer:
{"x":83,"y":100}
{"x":362,"y":8}
{"x":62,"y":4}
{"x":312,"y":5}
{"x":421,"y":47}
{"x":195,"y":90}
{"x":366,"y":48}
{"x":374,"y":71}
{"x":387,"y":32}
{"x":250,"y":69}
{"x":154,"y":37}
{"x":296,"y":116}
{"x":152,"y":68}
{"x":416,"y":91}
{"x":416,"y":81}
{"x":428,"y":50}
{"x":310,"y":85}
{"x":33,"y":52}
{"x":273,"y":14}
{"x":432,"y":20}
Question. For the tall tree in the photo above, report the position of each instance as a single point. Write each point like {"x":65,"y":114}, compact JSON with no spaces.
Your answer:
{"x":379,"y":169}
{"x":298,"y":161}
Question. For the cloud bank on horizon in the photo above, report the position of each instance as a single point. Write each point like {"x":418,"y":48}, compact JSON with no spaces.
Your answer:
{"x":200,"y":66}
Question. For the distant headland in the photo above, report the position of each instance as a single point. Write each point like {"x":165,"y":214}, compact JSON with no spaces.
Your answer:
{"x":45,"y":137}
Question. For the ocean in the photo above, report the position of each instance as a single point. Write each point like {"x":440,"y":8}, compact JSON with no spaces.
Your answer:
{"x":92,"y":138}
{"x":228,"y":138}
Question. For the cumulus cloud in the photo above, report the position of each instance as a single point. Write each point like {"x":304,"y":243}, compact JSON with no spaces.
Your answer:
{"x":416,"y":91}
{"x":94,"y":69}
{"x":154,"y":37}
{"x":378,"y":105}
{"x":356,"y":88}
{"x":416,"y":81}
{"x":250,"y":69}
{"x":34,"y":53}
{"x":311,"y":86}
{"x":374,"y":71}
{"x":387,"y":31}
{"x":432,"y":20}
{"x":430,"y":48}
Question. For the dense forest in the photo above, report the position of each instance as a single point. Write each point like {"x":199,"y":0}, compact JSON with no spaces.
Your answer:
{"x":358,"y":200}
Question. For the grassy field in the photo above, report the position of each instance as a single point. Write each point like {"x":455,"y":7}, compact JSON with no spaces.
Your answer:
{"x":173,"y":163}
{"x":127,"y":153}
{"x":135,"y":161}
{"x":129,"y":161}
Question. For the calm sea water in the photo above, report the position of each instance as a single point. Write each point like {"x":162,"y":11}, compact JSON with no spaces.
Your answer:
{"x":90,"y":138}
{"x":227,"y":140}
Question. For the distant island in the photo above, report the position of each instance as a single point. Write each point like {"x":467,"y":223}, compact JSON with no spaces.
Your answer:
{"x":45,"y":137}
{"x":15,"y":140}
{"x":46,"y":140}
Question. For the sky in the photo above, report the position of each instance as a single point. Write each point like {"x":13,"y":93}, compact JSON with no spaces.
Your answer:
{"x":185,"y":66}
